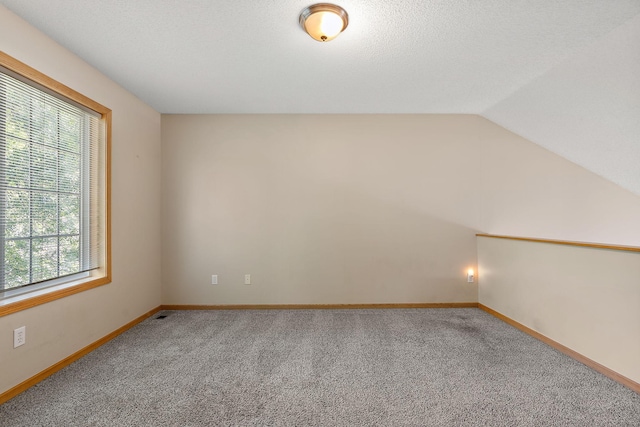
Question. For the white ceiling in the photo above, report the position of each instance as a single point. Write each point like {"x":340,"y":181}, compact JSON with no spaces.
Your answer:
{"x":562,"y":73}
{"x":586,"y":108}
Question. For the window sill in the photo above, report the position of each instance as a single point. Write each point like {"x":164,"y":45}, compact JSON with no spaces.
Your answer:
{"x":13,"y":304}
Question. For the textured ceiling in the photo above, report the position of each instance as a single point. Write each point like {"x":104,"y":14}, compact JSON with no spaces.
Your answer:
{"x":587,"y":108}
{"x":564,"y":74}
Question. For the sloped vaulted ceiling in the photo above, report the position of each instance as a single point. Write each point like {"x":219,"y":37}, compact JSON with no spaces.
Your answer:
{"x":563,"y":74}
{"x":586,"y":108}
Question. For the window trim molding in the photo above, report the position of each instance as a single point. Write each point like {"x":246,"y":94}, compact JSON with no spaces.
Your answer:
{"x":14,"y":304}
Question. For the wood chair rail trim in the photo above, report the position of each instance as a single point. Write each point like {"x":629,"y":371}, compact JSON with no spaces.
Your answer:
{"x":565,"y":242}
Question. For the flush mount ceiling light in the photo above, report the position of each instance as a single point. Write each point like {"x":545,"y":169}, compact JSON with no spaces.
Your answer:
{"x":324,"y":21}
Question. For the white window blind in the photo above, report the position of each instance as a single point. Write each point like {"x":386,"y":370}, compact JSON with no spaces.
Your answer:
{"x":50,"y":201}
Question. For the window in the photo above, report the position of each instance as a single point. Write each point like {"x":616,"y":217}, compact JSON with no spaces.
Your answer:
{"x":54,"y":158}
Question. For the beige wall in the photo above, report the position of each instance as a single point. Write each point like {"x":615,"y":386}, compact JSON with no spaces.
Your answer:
{"x":319,"y":208}
{"x":586,"y":299}
{"x":361,"y":208}
{"x":529,"y":191}
{"x":357,"y":209}
{"x":58,"y":329}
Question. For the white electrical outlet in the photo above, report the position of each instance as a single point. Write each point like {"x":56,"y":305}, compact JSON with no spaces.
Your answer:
{"x":247,"y":279}
{"x":214,"y":279}
{"x":19,"y":336}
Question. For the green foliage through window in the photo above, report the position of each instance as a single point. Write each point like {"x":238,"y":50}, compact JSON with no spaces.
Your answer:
{"x":45,"y":183}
